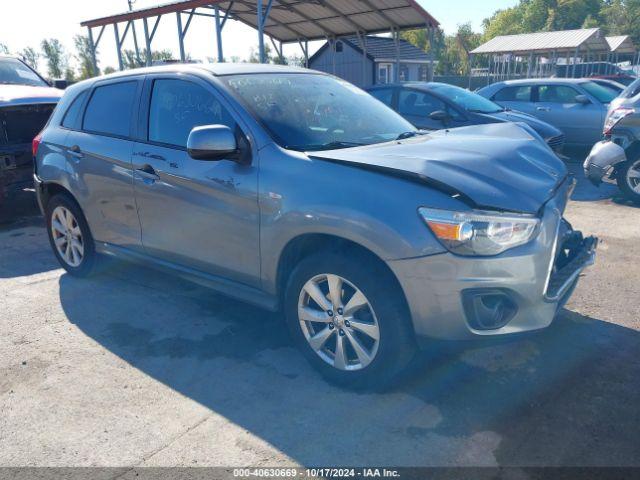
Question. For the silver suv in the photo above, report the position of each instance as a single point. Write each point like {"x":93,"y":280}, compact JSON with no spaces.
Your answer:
{"x":294,"y":190}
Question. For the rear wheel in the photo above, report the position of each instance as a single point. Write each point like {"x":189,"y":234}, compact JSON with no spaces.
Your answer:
{"x":349,"y":319}
{"x":70,"y":236}
{"x":629,"y":180}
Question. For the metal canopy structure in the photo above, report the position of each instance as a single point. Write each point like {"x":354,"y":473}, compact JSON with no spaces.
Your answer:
{"x":538,"y":54}
{"x":284,"y":21}
{"x":560,"y":41}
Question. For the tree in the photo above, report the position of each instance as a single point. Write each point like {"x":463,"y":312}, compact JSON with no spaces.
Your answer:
{"x":4,"y":49}
{"x":109,"y":69}
{"x":84,"y":57}
{"x":30,"y":56}
{"x":54,"y":53}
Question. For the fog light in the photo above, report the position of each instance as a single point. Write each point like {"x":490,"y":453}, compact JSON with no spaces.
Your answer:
{"x":488,"y":309}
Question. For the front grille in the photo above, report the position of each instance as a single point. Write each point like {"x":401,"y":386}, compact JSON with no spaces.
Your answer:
{"x":20,"y":124}
{"x":556,"y":143}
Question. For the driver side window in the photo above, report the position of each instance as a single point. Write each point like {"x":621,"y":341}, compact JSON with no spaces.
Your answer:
{"x":179,"y":105}
{"x":419,"y":104}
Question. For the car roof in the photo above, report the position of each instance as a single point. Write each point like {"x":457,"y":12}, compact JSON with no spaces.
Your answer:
{"x":539,"y":81}
{"x":414,"y":85}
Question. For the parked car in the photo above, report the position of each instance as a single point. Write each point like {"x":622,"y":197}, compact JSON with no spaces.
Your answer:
{"x":295,"y":190}
{"x":610,"y":84}
{"x":576,"y":106}
{"x":604,"y":70}
{"x":433,"y":106}
{"x":26,"y":102}
{"x":617,"y":157}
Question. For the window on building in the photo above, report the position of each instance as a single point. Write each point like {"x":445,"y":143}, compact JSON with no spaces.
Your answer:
{"x":385,"y":73}
{"x":339,"y":47}
{"x":404,"y":73}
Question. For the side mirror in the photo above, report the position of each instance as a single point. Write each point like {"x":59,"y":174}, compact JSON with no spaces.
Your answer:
{"x":212,"y":142}
{"x":439,"y":115}
{"x":60,"y":83}
{"x":583,"y":99}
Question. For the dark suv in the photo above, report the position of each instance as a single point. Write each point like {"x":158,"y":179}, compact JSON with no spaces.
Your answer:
{"x":295,"y":190}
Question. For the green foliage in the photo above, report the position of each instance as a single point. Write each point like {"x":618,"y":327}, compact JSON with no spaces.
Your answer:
{"x":84,"y":57}
{"x":54,"y":53}
{"x":108,"y":70}
{"x":30,"y":56}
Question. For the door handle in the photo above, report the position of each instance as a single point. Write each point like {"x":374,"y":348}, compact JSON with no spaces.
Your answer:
{"x":75,"y":152}
{"x":543,"y":109}
{"x":147,"y":173}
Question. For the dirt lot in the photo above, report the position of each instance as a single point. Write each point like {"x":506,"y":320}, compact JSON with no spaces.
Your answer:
{"x":134,"y":368}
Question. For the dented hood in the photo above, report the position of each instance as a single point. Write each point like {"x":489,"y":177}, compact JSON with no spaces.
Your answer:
{"x":493,"y":166}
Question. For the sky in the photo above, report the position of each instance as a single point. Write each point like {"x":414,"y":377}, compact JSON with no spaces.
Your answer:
{"x":26,"y":22}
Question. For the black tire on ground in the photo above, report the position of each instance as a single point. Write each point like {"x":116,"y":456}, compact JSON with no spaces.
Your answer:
{"x":623,"y":180}
{"x":397,"y":345}
{"x":89,"y":259}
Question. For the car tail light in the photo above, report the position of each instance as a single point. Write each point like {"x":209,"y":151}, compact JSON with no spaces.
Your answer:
{"x":615,"y":116}
{"x":35,"y":143}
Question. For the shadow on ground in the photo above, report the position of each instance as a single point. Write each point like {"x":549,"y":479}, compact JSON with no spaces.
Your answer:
{"x":565,"y":396}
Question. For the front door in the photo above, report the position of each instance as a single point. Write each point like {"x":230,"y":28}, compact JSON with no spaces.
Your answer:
{"x":557,"y":105}
{"x":198,"y":213}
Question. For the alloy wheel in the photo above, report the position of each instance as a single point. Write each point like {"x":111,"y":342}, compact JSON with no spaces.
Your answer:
{"x":67,"y":236}
{"x":633,"y":177}
{"x":338,"y":322}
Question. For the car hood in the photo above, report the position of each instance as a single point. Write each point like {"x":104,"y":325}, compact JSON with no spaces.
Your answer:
{"x":497,"y":166}
{"x":25,"y":95}
{"x":545,"y":130}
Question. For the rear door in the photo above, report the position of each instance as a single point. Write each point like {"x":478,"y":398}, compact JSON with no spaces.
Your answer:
{"x":516,"y":97}
{"x":198,"y":213}
{"x":99,"y":147}
{"x":556,"y":104}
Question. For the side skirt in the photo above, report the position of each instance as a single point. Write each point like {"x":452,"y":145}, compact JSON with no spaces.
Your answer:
{"x":221,"y":285}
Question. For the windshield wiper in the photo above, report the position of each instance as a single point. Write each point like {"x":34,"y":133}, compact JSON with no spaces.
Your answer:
{"x":325,"y":146}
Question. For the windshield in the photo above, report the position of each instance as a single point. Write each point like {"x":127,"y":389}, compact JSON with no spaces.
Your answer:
{"x":602,"y":94}
{"x":13,"y":71}
{"x":465,"y":99}
{"x":314,"y":112}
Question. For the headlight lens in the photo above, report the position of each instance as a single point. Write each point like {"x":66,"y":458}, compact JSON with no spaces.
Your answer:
{"x":615,"y":116}
{"x":479,"y":233}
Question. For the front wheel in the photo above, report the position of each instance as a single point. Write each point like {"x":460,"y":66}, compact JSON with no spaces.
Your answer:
{"x":349,"y":319}
{"x":629,"y":180}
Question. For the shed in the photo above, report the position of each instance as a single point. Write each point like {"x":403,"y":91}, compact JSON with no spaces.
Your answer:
{"x":369,"y":60}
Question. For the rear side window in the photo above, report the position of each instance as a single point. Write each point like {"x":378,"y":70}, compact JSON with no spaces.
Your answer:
{"x":385,"y":95}
{"x":177,"y":106}
{"x":109,"y":109}
{"x":514,"y":94}
{"x":72,"y":114}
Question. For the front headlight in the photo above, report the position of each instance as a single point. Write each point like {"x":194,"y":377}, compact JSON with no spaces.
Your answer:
{"x":478,"y":232}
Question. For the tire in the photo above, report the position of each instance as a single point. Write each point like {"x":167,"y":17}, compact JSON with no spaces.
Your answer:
{"x":79,"y":262}
{"x":629,"y":177}
{"x":385,"y":308}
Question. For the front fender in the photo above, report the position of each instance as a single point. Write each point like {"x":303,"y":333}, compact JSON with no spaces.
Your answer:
{"x":603,"y":157}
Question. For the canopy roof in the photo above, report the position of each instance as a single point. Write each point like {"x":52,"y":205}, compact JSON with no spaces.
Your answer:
{"x":293,"y":20}
{"x":561,"y":41}
{"x":621,"y":44}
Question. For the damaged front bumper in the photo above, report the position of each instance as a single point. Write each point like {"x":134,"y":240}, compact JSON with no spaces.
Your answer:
{"x":602,"y":161}
{"x":455,"y":298}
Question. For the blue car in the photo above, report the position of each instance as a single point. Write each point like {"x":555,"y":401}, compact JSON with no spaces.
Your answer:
{"x":434,"y":106}
{"x":576,"y":106}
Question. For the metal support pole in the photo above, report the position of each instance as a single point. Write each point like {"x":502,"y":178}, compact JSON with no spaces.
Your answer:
{"x":219,"y":36}
{"x":470,"y":70}
{"x":530,"y":64}
{"x":180,"y":37}
{"x":118,"y":46}
{"x":147,"y":42}
{"x":397,"y":42}
{"x":92,"y":46}
{"x":575,"y":61}
{"x":432,"y":53}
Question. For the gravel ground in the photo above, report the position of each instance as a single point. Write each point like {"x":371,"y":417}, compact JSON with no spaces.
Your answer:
{"x":132,"y":368}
